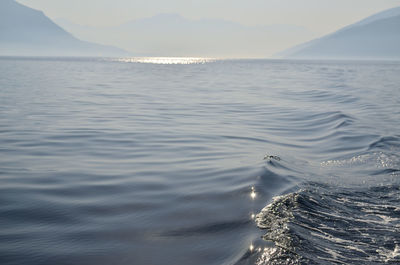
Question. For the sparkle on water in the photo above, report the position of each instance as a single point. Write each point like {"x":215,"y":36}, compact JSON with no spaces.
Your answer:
{"x":167,"y":60}
{"x":253,"y":193}
{"x":251,"y":248}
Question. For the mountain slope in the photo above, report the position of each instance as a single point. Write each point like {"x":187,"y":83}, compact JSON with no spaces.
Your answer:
{"x":25,"y":31}
{"x":392,"y":12}
{"x":376,"y":37}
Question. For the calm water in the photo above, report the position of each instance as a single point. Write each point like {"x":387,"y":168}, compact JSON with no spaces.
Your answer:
{"x":136,"y":162}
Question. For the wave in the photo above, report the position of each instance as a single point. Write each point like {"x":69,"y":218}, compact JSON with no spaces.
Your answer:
{"x":324,"y":224}
{"x":348,"y":213}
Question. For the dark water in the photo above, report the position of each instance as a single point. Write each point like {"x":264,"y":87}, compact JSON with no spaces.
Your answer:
{"x":124,"y":162}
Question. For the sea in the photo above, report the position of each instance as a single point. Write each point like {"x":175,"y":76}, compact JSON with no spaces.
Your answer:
{"x":173,"y":161}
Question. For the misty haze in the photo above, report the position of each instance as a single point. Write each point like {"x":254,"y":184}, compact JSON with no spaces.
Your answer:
{"x":25,"y":31}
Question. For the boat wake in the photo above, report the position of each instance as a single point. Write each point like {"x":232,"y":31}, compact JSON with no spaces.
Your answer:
{"x":322,"y":224}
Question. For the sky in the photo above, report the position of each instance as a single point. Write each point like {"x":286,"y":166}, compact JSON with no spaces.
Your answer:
{"x":319,"y":16}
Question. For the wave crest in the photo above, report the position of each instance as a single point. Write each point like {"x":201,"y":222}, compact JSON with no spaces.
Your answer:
{"x":322,"y":224}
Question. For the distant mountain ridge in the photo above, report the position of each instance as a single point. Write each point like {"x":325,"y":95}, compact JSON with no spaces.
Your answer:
{"x":170,"y":34}
{"x":25,"y":31}
{"x":375,"y":37}
{"x":392,"y":12}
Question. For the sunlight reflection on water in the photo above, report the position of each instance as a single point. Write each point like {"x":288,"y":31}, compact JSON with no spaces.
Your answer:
{"x":167,"y":60}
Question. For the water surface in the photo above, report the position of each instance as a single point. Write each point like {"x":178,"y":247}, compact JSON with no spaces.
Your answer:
{"x":135,"y":162}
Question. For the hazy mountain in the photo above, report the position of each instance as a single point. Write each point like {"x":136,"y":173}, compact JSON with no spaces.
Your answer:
{"x":25,"y":31}
{"x":376,"y":37}
{"x":392,"y":12}
{"x":174,"y":35}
